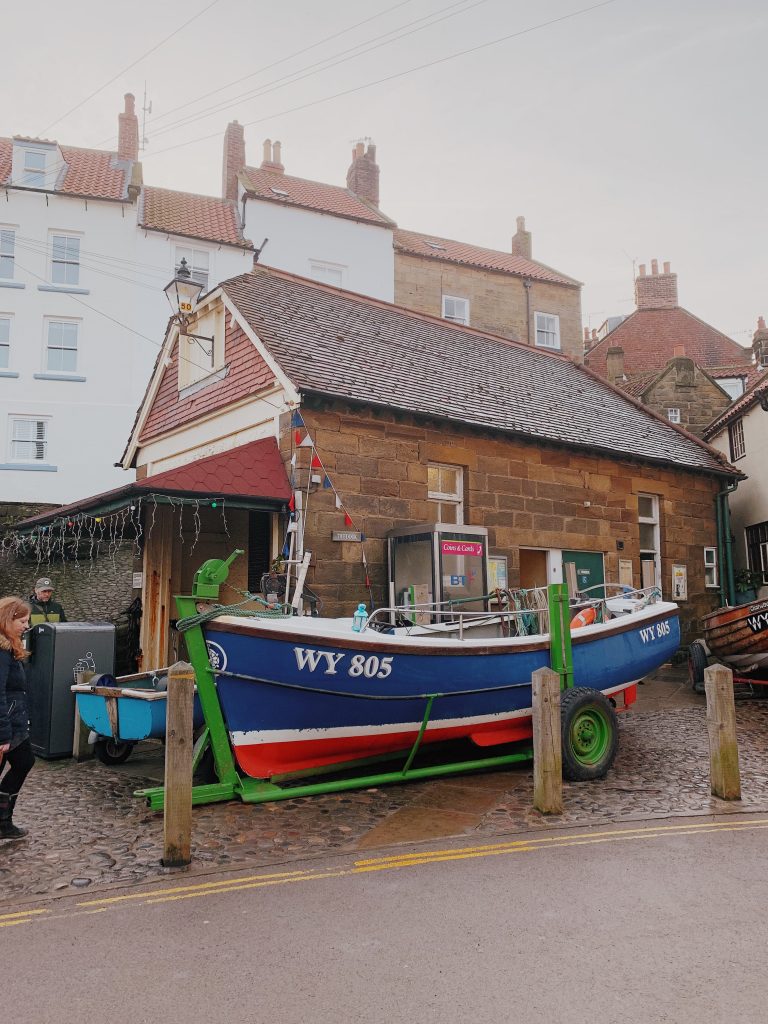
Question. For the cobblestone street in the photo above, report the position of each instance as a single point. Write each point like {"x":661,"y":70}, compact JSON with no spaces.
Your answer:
{"x":87,"y":831}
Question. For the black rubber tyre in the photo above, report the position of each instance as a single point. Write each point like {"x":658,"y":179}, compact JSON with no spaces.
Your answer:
{"x":111,"y":751}
{"x":697,"y":662}
{"x":590,"y":734}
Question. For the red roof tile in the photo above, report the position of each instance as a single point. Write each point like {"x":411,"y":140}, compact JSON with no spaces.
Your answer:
{"x":450,"y":251}
{"x":248,"y":374}
{"x":191,"y":215}
{"x":253,"y":470}
{"x":89,"y":172}
{"x":649,"y":338}
{"x":277,"y":187}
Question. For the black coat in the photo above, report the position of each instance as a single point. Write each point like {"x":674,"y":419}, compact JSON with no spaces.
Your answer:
{"x":14,"y":709}
{"x":45,"y":611}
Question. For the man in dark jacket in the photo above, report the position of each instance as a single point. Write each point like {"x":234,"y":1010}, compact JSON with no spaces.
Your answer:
{"x":44,"y":608}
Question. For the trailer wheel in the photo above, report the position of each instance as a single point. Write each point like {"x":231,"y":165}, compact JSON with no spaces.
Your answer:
{"x":110,"y":751}
{"x":697,"y":662}
{"x":590,"y":734}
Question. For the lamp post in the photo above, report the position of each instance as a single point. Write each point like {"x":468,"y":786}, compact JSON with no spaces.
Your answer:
{"x":182,"y":293}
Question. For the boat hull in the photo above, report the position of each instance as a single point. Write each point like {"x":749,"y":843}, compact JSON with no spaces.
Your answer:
{"x":297,"y":698}
{"x":739,"y":636}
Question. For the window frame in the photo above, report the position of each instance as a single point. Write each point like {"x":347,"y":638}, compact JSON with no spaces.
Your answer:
{"x":756,"y":539}
{"x":66,"y":262}
{"x":673,"y":415}
{"x":734,"y":382}
{"x":454,"y":499}
{"x":197,"y":273}
{"x":541,"y":331}
{"x":319,"y":268}
{"x":8,"y":230}
{"x":653,"y":520}
{"x":63,"y":321}
{"x":192,"y":371}
{"x":44,"y":441}
{"x":711,"y":569}
{"x":6,"y":318}
{"x":736,"y":443}
{"x":455,"y":319}
{"x":34,"y":177}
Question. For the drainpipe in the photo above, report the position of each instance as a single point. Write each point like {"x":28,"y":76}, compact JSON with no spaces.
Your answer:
{"x":722,"y":498}
{"x":720,"y":553}
{"x":528,"y":284}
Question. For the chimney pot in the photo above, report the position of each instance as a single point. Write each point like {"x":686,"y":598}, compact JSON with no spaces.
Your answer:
{"x":654,"y":267}
{"x":266,"y":157}
{"x":761,"y":323}
{"x":586,"y":329}
{"x":642,"y":270}
{"x":128,"y":130}
{"x":667,"y":268}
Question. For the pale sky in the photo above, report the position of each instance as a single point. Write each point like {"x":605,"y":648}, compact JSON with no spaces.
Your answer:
{"x":628,"y":132}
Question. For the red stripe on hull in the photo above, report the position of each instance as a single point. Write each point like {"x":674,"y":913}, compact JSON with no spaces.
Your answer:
{"x":263,"y":760}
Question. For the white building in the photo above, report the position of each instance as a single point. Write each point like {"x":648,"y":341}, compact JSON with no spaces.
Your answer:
{"x":85,"y":251}
{"x":325,"y":232}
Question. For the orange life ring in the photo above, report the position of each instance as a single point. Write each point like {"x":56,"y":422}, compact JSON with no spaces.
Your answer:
{"x":585,"y":618}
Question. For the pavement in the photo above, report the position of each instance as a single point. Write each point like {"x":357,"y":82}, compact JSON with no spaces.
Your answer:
{"x":88,"y":832}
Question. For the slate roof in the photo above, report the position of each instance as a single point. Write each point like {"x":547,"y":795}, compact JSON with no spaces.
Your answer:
{"x":95,"y":173}
{"x":450,"y":251}
{"x":649,"y":338}
{"x":191,"y":215}
{"x":758,"y":391}
{"x":310,"y":195}
{"x":351,"y":347}
{"x":253,"y":470}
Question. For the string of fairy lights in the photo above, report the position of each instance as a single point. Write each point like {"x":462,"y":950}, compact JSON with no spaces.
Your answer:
{"x":83,"y":537}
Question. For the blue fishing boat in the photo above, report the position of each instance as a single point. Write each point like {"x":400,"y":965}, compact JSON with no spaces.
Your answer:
{"x":302,"y":693}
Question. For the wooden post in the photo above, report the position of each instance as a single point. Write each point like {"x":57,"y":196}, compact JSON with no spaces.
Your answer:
{"x":721,"y":725}
{"x":177,"y":820}
{"x":547,"y":744}
{"x":81,"y":748}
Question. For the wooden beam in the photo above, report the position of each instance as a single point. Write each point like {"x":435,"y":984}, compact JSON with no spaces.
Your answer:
{"x":177,"y":821}
{"x":721,"y":726}
{"x":547,"y":744}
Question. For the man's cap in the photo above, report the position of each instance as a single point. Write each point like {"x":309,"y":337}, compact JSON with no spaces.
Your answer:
{"x":43,"y":584}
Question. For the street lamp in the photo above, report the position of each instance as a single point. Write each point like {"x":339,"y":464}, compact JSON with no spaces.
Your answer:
{"x":182,"y":293}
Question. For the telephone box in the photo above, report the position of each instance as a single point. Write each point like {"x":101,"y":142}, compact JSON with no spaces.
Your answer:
{"x":438,"y":563}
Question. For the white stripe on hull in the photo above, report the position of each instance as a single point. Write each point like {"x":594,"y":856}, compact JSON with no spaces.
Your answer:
{"x":254,"y":737}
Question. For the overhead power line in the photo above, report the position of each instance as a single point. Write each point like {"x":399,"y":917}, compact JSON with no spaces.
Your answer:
{"x":400,"y":74}
{"x":133,"y":64}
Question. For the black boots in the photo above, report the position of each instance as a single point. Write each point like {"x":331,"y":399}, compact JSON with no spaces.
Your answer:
{"x":7,"y":829}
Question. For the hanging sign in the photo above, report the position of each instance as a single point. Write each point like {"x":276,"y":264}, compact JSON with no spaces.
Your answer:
{"x":348,"y":536}
{"x":461,"y":547}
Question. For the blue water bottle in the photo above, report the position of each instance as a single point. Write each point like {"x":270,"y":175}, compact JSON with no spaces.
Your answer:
{"x":360,"y":618}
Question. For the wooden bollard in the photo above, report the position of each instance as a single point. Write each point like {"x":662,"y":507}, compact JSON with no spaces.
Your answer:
{"x":177,"y":819}
{"x":721,"y":725}
{"x":547,"y":744}
{"x":81,"y":748}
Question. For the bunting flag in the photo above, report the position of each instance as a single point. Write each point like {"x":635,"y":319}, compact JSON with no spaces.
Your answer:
{"x":326,"y":482}
{"x":296,"y":420}
{"x":347,"y":519}
{"x":306,"y":443}
{"x":338,"y":501}
{"x":297,"y":437}
{"x":316,"y":463}
{"x":293,"y":461}
{"x":292,"y":503}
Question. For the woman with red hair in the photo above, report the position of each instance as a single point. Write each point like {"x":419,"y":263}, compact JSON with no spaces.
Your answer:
{"x":16,"y":757}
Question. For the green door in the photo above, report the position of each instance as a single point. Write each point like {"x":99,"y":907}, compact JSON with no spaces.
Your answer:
{"x":589,"y":570}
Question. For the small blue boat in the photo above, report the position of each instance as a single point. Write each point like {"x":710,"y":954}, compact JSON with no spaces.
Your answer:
{"x":304,"y":693}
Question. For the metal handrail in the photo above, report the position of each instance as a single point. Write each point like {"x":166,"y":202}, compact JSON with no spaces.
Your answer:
{"x":384,"y":616}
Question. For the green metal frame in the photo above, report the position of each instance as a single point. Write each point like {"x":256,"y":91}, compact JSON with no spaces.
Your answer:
{"x":233,"y":785}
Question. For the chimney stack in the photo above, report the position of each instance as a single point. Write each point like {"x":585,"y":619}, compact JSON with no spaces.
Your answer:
{"x":233,"y":161}
{"x":655,"y":290}
{"x":128,"y":130}
{"x":760,"y":344}
{"x":271,"y":160}
{"x":522,"y":244}
{"x":586,"y":339}
{"x":363,"y":173}
{"x":614,"y":365}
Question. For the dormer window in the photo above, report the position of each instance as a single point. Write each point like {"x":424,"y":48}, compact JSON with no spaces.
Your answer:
{"x":34,"y":169}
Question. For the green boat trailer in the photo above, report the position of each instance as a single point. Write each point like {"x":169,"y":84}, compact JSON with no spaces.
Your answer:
{"x":215,"y":736}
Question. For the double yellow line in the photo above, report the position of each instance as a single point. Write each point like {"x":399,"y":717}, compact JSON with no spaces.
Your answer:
{"x":388,"y":862}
